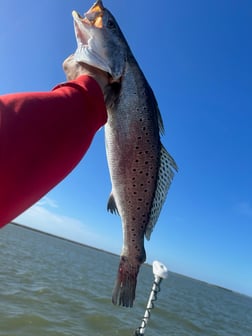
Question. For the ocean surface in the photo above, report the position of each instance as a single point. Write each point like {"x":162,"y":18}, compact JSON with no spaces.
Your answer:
{"x":52,"y":287}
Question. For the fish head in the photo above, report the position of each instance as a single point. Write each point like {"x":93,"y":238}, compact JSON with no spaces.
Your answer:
{"x":100,"y":42}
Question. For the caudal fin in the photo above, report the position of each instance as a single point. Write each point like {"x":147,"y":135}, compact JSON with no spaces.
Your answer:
{"x":125,"y":286}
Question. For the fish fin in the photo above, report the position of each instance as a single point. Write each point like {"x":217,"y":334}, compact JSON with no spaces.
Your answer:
{"x":156,"y":108}
{"x":111,"y":94}
{"x":125,"y":286}
{"x":111,"y":206}
{"x":165,"y":177}
{"x":160,"y":121}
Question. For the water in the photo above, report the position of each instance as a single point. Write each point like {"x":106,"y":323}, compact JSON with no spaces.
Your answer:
{"x":52,"y":287}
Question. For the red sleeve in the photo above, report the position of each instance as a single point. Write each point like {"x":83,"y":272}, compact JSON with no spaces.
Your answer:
{"x":43,"y":136}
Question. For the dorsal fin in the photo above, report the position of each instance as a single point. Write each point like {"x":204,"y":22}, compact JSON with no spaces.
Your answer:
{"x":165,"y":176}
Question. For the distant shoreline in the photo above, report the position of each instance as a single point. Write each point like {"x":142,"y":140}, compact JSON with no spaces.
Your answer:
{"x":117,"y":255}
{"x":63,"y":238}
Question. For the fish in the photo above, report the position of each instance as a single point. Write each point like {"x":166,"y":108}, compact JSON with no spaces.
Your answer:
{"x":141,"y":170}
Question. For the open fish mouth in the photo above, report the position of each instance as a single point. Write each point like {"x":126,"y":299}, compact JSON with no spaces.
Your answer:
{"x":81,"y":31}
{"x":91,"y":18}
{"x":87,"y":28}
{"x":83,"y":24}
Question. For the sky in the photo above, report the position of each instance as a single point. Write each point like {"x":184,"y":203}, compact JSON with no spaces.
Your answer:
{"x":196,"y":56}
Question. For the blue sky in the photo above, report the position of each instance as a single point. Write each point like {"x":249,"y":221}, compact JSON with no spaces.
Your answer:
{"x":197,"y":57}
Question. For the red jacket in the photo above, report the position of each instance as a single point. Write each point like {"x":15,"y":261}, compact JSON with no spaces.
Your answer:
{"x":43,"y":136}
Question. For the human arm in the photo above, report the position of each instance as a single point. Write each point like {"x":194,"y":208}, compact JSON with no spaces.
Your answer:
{"x":43,"y":136}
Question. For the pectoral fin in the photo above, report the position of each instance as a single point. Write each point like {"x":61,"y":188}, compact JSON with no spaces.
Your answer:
{"x":111,"y":206}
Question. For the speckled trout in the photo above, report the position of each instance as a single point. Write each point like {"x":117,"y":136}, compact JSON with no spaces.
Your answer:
{"x":141,"y":169}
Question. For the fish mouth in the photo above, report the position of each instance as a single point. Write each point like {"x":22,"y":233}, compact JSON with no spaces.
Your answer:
{"x":87,"y":31}
{"x":95,"y":13}
{"x":93,"y":17}
{"x":81,"y":28}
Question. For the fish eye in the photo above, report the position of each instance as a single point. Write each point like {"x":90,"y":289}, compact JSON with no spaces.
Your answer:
{"x":110,"y":24}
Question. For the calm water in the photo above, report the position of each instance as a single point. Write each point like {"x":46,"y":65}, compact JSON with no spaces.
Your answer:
{"x":52,"y":287}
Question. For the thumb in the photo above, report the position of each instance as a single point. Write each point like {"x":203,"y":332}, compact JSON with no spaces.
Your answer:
{"x":70,"y":67}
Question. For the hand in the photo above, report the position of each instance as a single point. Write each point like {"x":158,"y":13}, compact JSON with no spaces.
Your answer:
{"x":74,"y":69}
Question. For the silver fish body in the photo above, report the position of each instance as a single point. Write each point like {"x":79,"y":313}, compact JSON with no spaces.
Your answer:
{"x":141,"y":170}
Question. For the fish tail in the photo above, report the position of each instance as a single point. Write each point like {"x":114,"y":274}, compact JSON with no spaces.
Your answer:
{"x":125,"y":286}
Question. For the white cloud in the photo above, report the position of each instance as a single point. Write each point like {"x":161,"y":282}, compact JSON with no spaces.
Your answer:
{"x":41,"y":217}
{"x":48,"y":201}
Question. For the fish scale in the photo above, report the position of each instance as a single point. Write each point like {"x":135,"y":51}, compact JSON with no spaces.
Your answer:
{"x":141,"y":170}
